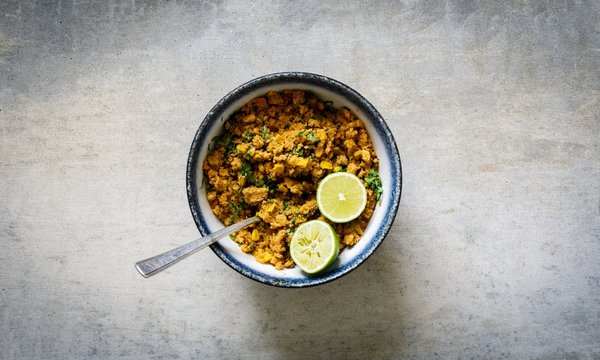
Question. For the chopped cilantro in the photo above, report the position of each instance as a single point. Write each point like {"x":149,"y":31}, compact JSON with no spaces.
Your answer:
{"x":374,"y":182}
{"x":264,"y":132}
{"x":225,"y":142}
{"x":311,"y":137}
{"x":246,"y":171}
{"x":265,"y":182}
{"x":246,"y":168}
{"x":238,"y":209}
{"x":248,"y":136}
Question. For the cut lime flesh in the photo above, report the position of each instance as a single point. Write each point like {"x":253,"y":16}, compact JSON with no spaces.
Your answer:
{"x":341,"y":197}
{"x":314,"y":246}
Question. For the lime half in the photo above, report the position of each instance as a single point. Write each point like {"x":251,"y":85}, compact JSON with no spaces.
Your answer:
{"x":314,"y":246}
{"x":341,"y":197}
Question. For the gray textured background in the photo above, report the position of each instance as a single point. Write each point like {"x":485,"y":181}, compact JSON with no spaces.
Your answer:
{"x":495,"y":252}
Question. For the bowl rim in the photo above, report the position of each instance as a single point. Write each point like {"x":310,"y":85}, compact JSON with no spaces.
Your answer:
{"x":324,"y":82}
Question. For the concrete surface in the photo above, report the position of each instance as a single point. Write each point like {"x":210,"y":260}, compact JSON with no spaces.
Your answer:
{"x":495,"y":252}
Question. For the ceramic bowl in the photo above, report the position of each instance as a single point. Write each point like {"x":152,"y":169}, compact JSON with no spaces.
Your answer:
{"x":327,"y":89}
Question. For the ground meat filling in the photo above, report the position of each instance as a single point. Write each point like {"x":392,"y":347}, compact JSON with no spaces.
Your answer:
{"x":269,"y":161}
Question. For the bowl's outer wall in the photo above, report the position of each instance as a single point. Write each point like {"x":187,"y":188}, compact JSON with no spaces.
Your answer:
{"x":319,"y":81}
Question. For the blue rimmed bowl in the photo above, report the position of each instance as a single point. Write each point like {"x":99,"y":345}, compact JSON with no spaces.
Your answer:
{"x":327,"y":89}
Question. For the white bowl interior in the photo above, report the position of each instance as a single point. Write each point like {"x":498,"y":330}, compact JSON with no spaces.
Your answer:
{"x":347,"y":254}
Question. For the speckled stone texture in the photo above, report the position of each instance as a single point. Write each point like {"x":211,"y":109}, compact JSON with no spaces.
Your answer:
{"x":495,"y":252}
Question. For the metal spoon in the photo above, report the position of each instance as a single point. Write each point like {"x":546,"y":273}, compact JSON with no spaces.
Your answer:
{"x":155,"y":264}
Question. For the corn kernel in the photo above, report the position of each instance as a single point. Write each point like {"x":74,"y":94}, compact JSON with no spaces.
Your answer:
{"x":302,"y":162}
{"x":271,"y":207}
{"x":266,"y":257}
{"x":321,"y":134}
{"x":249,"y":118}
{"x":278,"y":169}
{"x":255,"y":235}
{"x":326,"y":165}
{"x":242,"y":148}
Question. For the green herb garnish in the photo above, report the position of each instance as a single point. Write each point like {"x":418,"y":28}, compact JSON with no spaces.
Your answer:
{"x":246,"y":171}
{"x":246,"y":168}
{"x":248,"y":136}
{"x":311,"y":137}
{"x":264,"y":132}
{"x":226,"y":143}
{"x":299,"y":151}
{"x":238,"y":209}
{"x":265,"y":183}
{"x":374,"y":182}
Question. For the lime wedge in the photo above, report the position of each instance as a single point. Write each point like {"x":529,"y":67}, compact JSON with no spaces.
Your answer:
{"x":341,"y":197}
{"x":314,"y":246}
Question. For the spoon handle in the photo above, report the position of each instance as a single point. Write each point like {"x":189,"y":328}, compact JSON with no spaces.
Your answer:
{"x":155,"y":264}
